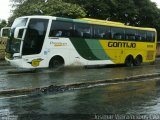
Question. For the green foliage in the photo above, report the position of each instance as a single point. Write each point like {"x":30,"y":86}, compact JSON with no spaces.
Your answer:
{"x":60,"y":8}
{"x":3,"y":23}
{"x":49,"y":7}
{"x":132,"y":12}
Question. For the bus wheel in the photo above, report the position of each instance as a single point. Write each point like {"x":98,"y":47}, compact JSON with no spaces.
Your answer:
{"x":129,"y":61}
{"x":56,"y":62}
{"x":138,"y":60}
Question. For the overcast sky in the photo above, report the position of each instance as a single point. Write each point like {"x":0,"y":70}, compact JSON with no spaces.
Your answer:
{"x":5,"y":8}
{"x":157,"y":1}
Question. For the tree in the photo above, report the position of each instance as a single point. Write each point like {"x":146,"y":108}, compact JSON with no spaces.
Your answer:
{"x":132,"y":12}
{"x":94,"y":8}
{"x":46,"y":7}
{"x":3,"y":23}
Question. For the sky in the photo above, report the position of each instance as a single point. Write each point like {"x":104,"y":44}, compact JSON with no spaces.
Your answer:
{"x":5,"y":8}
{"x":157,"y":2}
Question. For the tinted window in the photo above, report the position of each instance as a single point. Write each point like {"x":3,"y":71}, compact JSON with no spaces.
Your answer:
{"x":141,"y":35}
{"x":117,"y":33}
{"x":83,"y":30}
{"x":102,"y":32}
{"x":61,"y":29}
{"x":150,"y":36}
{"x":130,"y":34}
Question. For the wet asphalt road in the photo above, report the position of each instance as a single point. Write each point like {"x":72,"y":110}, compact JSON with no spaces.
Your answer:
{"x":141,"y":97}
{"x":125,"y":98}
{"x":47,"y":77}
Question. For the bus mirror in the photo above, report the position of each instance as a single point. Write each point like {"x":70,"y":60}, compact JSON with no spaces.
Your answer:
{"x":18,"y":33}
{"x":5,"y":32}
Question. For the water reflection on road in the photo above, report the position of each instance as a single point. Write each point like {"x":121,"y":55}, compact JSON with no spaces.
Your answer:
{"x":69,"y":76}
{"x":125,"y":98}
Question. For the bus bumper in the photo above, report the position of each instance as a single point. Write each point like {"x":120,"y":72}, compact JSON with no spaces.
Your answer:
{"x":19,"y":63}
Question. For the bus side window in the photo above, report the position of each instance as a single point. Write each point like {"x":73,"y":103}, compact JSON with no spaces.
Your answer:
{"x":58,"y":33}
{"x":83,"y":30}
{"x":108,"y":34}
{"x":141,"y":36}
{"x":150,"y":36}
{"x":117,"y":33}
{"x":130,"y":34}
{"x":101,"y":32}
{"x":61,"y":29}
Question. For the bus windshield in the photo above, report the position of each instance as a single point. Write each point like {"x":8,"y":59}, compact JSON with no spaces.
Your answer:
{"x":13,"y":45}
{"x":20,"y":22}
{"x":34,"y":37}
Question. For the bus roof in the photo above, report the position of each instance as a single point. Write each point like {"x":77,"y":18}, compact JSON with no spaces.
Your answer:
{"x":114,"y":24}
{"x":102,"y":21}
{"x":39,"y":16}
{"x":91,"y":21}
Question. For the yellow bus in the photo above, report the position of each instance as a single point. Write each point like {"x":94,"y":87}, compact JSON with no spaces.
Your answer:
{"x":46,"y":41}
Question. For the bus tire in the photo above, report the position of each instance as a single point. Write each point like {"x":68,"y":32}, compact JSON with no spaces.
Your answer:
{"x":129,"y":61}
{"x":56,"y":62}
{"x":138,"y":60}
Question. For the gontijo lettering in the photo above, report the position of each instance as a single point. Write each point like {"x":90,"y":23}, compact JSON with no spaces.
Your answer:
{"x":122,"y":44}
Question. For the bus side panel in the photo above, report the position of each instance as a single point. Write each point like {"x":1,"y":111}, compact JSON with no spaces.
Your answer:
{"x":119,"y":50}
{"x":91,"y":51}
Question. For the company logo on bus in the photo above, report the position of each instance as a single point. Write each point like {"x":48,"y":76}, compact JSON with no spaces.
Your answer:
{"x":58,"y":44}
{"x":122,"y":44}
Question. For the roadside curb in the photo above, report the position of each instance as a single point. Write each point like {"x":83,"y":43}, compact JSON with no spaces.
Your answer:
{"x":82,"y":85}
